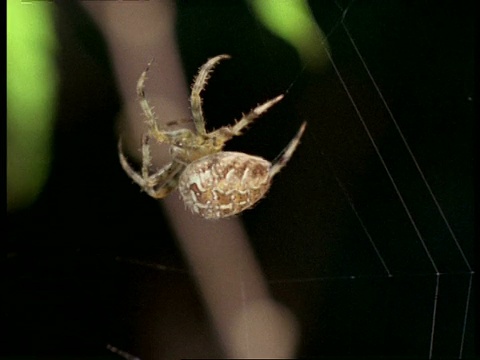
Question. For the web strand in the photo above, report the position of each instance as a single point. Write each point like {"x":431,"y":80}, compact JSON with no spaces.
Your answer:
{"x":399,"y":195}
{"x":408,"y":148}
{"x":341,"y":23}
{"x":431,"y":194}
{"x":364,"y":227}
{"x":435,"y":310}
{"x":395,"y":187}
{"x":384,"y":165}
{"x":357,"y":215}
{"x":465,"y":317}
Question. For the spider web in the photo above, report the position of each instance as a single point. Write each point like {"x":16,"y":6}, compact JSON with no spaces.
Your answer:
{"x":397,"y":279}
{"x":391,"y":275}
{"x":366,"y":236}
{"x":379,"y":244}
{"x":429,"y":259}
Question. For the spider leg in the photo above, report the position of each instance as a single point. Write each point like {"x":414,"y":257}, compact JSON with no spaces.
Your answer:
{"x":253,"y":115}
{"x":197,"y":87}
{"x":146,"y":156}
{"x":147,"y":109}
{"x":162,"y":136}
{"x":286,"y":153}
{"x":227,"y":132}
{"x":164,"y":180}
{"x":128,"y":169}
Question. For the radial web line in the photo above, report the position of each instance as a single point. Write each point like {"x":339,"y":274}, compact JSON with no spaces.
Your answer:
{"x":399,"y":195}
{"x":410,"y":152}
{"x":425,"y":181}
{"x":357,"y":215}
{"x":465,"y":317}
{"x":374,"y":144}
{"x":362,"y":224}
{"x":434,"y":315}
{"x":387,"y":170}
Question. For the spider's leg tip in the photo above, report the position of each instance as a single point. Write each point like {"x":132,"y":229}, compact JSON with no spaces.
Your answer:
{"x":302,"y":127}
{"x":149,"y":64}
{"x":218,"y":58}
{"x":300,"y":132}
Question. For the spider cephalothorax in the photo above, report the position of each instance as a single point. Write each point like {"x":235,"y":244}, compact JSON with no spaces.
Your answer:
{"x":212,"y":183}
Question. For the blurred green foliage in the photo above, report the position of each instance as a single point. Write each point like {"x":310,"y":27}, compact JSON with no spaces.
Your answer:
{"x":293,"y":21}
{"x":31,"y":98}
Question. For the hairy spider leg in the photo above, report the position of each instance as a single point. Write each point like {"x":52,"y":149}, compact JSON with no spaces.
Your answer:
{"x":227,"y":132}
{"x":162,"y":136}
{"x":287,"y":153}
{"x":127,"y":168}
{"x":161,"y":183}
{"x":253,"y":115}
{"x":165,"y":180}
{"x":147,"y":109}
{"x":197,"y":87}
{"x":146,"y":156}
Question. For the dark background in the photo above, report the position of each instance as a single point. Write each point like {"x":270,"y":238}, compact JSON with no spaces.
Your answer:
{"x":76,"y":262}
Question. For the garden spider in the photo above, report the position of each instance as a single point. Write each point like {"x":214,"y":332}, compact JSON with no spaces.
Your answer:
{"x":212,"y":183}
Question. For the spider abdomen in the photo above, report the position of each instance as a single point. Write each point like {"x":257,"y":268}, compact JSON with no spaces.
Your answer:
{"x":224,"y":184}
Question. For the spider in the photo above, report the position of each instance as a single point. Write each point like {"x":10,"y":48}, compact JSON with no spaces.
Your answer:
{"x":212,"y":183}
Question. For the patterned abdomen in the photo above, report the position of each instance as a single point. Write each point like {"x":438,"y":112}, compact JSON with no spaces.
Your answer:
{"x":224,"y":184}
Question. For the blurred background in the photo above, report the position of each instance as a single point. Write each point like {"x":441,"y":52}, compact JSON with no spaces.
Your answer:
{"x":366,"y":236}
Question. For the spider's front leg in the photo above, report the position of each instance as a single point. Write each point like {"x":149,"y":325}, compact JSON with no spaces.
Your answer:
{"x":227,"y":132}
{"x":253,"y":115}
{"x":147,"y":109}
{"x":160,"y":134}
{"x":197,"y":87}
